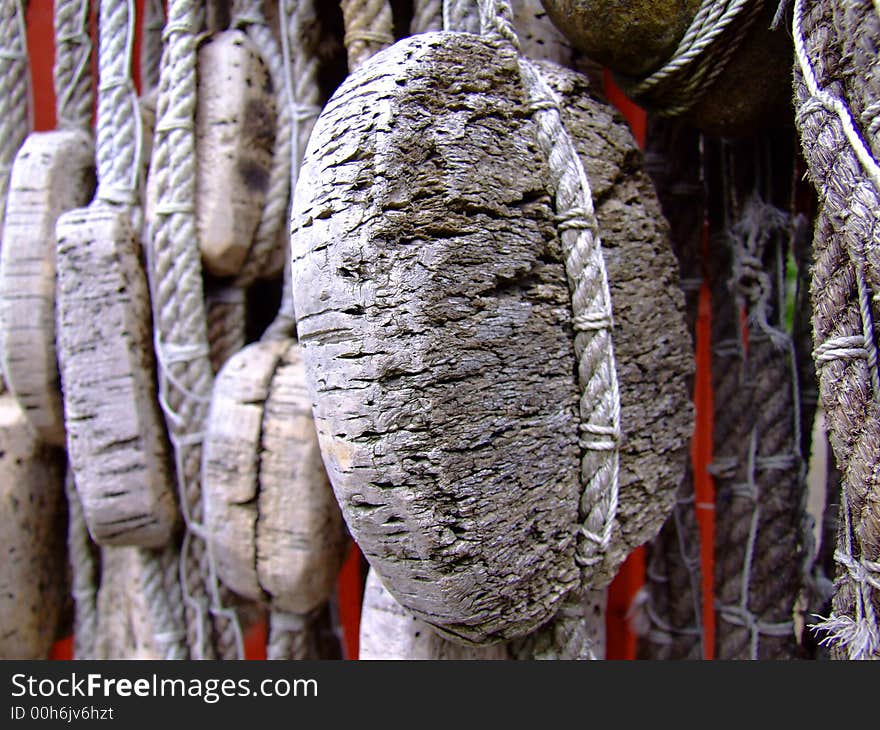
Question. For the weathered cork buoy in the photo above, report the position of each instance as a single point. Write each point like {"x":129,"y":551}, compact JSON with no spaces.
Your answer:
{"x":752,"y":89}
{"x":53,"y":172}
{"x":275,"y":528}
{"x":389,"y":631}
{"x":436,"y":326}
{"x":630,"y":36}
{"x":235,"y":133}
{"x":32,"y":557}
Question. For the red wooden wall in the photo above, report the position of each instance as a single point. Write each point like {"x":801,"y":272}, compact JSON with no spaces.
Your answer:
{"x":621,"y":640}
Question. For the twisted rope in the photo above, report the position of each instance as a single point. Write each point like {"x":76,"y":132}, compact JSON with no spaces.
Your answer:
{"x":847,"y":178}
{"x":368,"y":29}
{"x":299,"y":23}
{"x":427,"y":16}
{"x":185,"y":375}
{"x":858,"y":22}
{"x":759,"y":469}
{"x":73,"y":53}
{"x":84,"y":574}
{"x":704,"y":51}
{"x":151,"y":44}
{"x":15,"y":103}
{"x":119,"y":135}
{"x":289,"y":636}
{"x":461,"y":16}
{"x":226,"y":314}
{"x":248,"y":15}
{"x":599,"y":404}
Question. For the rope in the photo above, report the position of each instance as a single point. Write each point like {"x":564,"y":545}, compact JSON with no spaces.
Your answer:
{"x":185,"y":376}
{"x":73,"y":54}
{"x":226,"y":312}
{"x":289,"y":636}
{"x":368,"y":29}
{"x":151,"y":44}
{"x":574,"y":631}
{"x":84,"y":574}
{"x":427,"y":16}
{"x":672,"y":600}
{"x":461,"y":16}
{"x":703,"y":53}
{"x":119,"y":135}
{"x":847,"y":178}
{"x":15,"y":106}
{"x":248,"y":15}
{"x":758,"y":468}
{"x":119,"y":152}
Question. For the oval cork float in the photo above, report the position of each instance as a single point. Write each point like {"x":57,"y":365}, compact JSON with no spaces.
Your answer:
{"x":32,"y":555}
{"x":115,"y":433}
{"x":274,"y":525}
{"x":53,"y":172}
{"x":235,"y":134}
{"x":436,"y":325}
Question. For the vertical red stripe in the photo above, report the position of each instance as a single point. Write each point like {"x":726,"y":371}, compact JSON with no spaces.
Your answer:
{"x":701,"y":454}
{"x":41,"y":50}
{"x":255,"y":641}
{"x":620,"y":639}
{"x":350,"y":593}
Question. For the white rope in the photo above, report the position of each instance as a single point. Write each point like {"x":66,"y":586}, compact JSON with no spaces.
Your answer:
{"x":700,"y":57}
{"x":461,"y":16}
{"x":16,"y":106}
{"x":71,"y":72}
{"x":119,"y":143}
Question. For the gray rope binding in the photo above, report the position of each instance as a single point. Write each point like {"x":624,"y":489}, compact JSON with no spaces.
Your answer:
{"x":181,"y":342}
{"x":599,"y":404}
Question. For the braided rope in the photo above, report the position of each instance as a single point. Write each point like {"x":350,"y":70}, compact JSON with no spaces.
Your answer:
{"x":368,"y":29}
{"x":427,"y":16}
{"x":185,"y":375}
{"x":151,"y":44}
{"x":461,"y":16}
{"x":73,"y":53}
{"x":15,"y":106}
{"x":847,"y":178}
{"x":248,"y":15}
{"x":703,"y":53}
{"x":84,"y":570}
